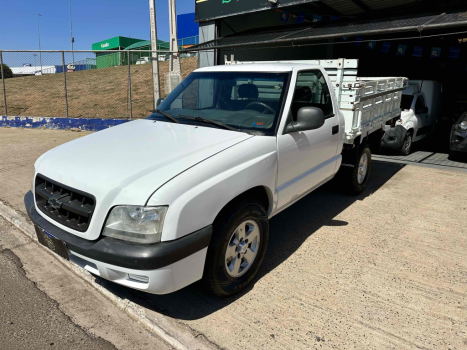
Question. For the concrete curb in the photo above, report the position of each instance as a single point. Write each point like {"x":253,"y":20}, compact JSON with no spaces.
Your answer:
{"x":60,"y":123}
{"x":175,"y":336}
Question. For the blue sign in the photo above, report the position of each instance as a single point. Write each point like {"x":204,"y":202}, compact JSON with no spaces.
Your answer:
{"x":371,"y":45}
{"x":386,"y":47}
{"x":435,"y":52}
{"x":418,"y":51}
{"x":454,"y":52}
{"x":317,"y":18}
{"x":358,"y":40}
{"x":334,"y":18}
{"x":401,"y":50}
{"x":285,"y":16}
{"x":300,"y":18}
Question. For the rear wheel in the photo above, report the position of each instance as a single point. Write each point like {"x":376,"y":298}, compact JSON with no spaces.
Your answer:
{"x":407,"y":145}
{"x":356,"y":177}
{"x":237,"y":248}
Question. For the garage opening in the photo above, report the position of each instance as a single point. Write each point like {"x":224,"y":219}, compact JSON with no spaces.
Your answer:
{"x":422,"y":47}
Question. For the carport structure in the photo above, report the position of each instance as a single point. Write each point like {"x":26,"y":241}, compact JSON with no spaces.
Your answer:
{"x":418,"y":39}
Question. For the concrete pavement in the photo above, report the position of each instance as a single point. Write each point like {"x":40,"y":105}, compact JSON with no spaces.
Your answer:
{"x":382,"y":270}
{"x":29,"y":319}
{"x":43,"y":305}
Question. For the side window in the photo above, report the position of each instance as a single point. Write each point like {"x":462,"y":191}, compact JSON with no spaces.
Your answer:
{"x":420,"y":103}
{"x":312,"y":90}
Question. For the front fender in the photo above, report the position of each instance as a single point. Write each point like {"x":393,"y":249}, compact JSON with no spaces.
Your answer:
{"x":196,"y":196}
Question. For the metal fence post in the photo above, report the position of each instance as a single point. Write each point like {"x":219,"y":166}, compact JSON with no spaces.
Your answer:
{"x":64,"y":81}
{"x":154,"y":54}
{"x":129,"y":86}
{"x":3,"y":83}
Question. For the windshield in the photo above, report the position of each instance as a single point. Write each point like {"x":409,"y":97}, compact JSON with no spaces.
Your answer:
{"x":246,"y":101}
{"x":406,"y":102}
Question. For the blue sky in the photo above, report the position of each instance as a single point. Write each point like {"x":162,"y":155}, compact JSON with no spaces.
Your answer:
{"x":93,"y":21}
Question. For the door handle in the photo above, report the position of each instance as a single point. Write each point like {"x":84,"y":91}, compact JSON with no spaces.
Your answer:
{"x":335,"y":129}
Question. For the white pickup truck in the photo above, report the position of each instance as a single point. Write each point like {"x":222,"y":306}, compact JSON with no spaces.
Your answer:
{"x":187,"y":194}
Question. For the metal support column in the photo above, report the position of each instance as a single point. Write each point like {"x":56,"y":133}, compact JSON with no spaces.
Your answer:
{"x":3,"y":83}
{"x":129,"y":86}
{"x":154,"y":54}
{"x":175,"y":72}
{"x":64,"y":82}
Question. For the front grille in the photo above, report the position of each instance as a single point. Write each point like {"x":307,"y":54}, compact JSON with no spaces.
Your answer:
{"x":68,"y":206}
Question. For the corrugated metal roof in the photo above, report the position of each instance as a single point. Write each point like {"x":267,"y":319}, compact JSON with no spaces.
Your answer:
{"x":350,"y":7}
{"x":385,"y":4}
{"x":336,"y":30}
{"x":345,"y":7}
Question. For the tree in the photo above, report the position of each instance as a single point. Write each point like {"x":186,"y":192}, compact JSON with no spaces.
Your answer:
{"x":7,"y":71}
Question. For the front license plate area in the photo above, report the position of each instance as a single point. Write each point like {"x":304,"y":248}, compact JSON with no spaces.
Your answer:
{"x":54,"y":244}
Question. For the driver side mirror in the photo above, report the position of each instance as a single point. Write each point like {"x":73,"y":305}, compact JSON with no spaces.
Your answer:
{"x":159,"y":101}
{"x":308,"y":118}
{"x":422,"y":110}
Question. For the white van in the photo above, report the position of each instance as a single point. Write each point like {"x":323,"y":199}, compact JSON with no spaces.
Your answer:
{"x":421,"y":105}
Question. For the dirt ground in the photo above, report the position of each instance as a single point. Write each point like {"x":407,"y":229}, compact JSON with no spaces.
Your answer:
{"x":98,"y":93}
{"x":383,"y":270}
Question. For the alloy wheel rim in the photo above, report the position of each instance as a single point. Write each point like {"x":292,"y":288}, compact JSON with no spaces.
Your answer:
{"x":362,"y":168}
{"x":242,"y":248}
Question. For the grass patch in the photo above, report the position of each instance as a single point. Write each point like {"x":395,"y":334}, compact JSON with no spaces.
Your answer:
{"x":98,"y":93}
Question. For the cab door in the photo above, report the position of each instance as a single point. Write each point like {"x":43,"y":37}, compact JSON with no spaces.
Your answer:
{"x":308,"y":158}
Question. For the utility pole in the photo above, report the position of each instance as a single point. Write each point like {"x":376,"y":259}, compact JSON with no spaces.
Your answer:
{"x":39,"y":33}
{"x":154,"y":53}
{"x":175,"y":76}
{"x":72,"y":39}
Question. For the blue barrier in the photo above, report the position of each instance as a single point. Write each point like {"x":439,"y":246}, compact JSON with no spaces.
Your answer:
{"x":59,"y":123}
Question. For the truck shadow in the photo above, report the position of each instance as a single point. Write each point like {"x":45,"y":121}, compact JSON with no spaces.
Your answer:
{"x":288,"y":231}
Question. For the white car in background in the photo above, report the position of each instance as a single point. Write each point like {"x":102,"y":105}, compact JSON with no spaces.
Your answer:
{"x":142,"y":60}
{"x":420,"y":108}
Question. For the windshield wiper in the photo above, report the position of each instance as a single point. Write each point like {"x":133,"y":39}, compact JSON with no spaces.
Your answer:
{"x":209,"y":121}
{"x":167,"y":115}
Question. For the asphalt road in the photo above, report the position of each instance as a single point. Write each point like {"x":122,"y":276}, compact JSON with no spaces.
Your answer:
{"x":29,"y":319}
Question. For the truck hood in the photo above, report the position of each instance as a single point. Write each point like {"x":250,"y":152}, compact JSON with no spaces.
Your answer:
{"x":127,"y":163}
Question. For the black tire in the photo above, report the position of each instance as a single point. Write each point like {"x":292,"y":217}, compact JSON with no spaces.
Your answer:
{"x":407,"y":145}
{"x":457,"y":156}
{"x":215,"y":278}
{"x":350,"y":175}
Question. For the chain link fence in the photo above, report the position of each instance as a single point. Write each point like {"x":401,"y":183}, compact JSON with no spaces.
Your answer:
{"x":85,"y":84}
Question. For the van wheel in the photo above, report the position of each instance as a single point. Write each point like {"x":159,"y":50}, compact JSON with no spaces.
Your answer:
{"x":355,"y":179}
{"x":237,"y":248}
{"x":407,"y":145}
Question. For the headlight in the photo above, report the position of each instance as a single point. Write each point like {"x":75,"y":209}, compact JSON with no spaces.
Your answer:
{"x":136,"y":224}
{"x":463,"y":125}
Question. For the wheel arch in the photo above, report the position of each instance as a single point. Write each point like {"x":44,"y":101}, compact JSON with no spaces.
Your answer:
{"x":263,"y":194}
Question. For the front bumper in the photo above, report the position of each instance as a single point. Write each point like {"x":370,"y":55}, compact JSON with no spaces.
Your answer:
{"x":394,"y":137}
{"x":168,"y":266}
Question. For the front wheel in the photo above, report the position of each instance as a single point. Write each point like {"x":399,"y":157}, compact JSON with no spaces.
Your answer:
{"x":237,"y":248}
{"x":407,"y":145}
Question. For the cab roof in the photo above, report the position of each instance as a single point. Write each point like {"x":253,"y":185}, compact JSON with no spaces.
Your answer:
{"x":258,"y":67}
